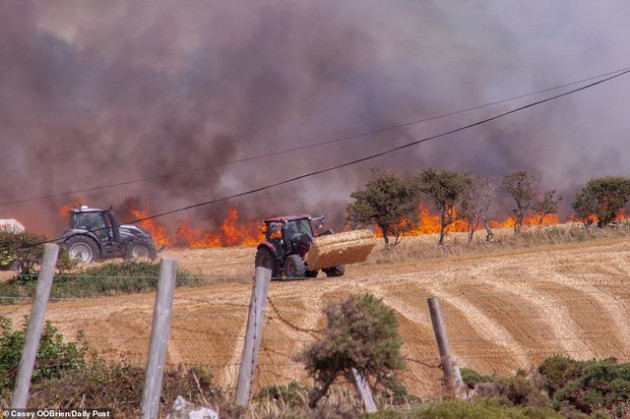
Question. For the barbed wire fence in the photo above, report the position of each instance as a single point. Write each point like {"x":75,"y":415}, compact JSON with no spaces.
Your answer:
{"x":195,"y":341}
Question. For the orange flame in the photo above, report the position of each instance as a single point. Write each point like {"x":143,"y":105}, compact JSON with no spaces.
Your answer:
{"x":156,"y":230}
{"x":64,"y":210}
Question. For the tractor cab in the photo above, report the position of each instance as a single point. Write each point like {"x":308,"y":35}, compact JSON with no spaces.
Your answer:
{"x":102,"y":223}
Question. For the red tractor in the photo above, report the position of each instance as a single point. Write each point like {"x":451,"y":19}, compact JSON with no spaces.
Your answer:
{"x":287,"y":240}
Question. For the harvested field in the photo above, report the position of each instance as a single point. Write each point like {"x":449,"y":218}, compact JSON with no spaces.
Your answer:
{"x":505,"y":309}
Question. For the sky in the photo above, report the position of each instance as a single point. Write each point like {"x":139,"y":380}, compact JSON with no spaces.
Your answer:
{"x":102,"y":93}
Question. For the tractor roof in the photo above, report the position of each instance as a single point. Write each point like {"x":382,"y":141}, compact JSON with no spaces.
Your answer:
{"x":283,"y":218}
{"x":85,"y":208}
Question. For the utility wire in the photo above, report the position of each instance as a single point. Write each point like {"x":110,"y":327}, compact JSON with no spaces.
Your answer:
{"x":382,"y":153}
{"x":367,"y":158}
{"x":312,"y":145}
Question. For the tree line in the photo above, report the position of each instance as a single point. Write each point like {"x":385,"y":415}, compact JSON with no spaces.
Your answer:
{"x":390,"y":200}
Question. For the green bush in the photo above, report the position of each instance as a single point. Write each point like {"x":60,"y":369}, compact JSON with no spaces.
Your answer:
{"x":118,"y":385}
{"x":479,"y":409}
{"x":362,"y":333}
{"x":292,"y":395}
{"x":586,"y":386}
{"x":471,"y":377}
{"x":54,"y":355}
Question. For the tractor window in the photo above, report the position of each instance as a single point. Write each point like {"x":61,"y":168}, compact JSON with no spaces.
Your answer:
{"x":302,"y":226}
{"x":89,"y":221}
{"x":274,"y":231}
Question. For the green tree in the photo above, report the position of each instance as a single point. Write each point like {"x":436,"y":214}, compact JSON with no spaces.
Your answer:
{"x":521,"y":185}
{"x":444,"y":187}
{"x":362,"y":333}
{"x":602,"y":197}
{"x":547,"y":205}
{"x":388,"y":200}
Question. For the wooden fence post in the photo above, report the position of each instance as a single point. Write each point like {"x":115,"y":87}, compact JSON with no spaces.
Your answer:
{"x":159,"y":338}
{"x":452,"y":376}
{"x":34,"y":329}
{"x":364,"y":390}
{"x":255,"y":320}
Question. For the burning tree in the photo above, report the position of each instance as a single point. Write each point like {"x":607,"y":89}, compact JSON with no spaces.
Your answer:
{"x":603,"y":198}
{"x":388,"y":201}
{"x":521,"y":185}
{"x":445,"y":187}
{"x":476,"y":201}
{"x":547,"y":205}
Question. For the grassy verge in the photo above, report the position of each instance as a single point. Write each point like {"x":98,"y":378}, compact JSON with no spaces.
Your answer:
{"x":425,"y":247}
{"x":108,"y":279}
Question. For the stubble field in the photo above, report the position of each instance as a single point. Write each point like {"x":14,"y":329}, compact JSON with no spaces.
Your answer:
{"x":505,"y":309}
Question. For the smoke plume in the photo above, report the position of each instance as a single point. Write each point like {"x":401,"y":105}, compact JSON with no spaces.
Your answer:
{"x":103,"y":93}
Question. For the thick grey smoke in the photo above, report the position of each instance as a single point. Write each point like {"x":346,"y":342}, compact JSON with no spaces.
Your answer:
{"x":95,"y":93}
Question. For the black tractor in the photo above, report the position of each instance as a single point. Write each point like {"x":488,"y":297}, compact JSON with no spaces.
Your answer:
{"x":287,"y":240}
{"x":95,"y":234}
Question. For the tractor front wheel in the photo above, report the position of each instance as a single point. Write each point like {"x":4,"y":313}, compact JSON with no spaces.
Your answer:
{"x":294,"y":267}
{"x":138,"y":250}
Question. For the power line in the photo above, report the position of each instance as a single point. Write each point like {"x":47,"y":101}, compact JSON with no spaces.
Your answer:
{"x":382,"y":153}
{"x":366,"y":158}
{"x":313,"y":145}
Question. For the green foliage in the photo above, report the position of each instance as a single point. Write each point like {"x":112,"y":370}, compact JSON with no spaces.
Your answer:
{"x":586,"y":386}
{"x":602,"y":197}
{"x":118,"y":386}
{"x":478,"y":409}
{"x":445,"y":188}
{"x":23,"y":246}
{"x":54,"y":355}
{"x":521,"y":185}
{"x":24,"y":250}
{"x":290,"y":396}
{"x":362,"y":333}
{"x":386,"y":201}
{"x":513,"y":391}
{"x":107,"y":279}
{"x":471,"y":377}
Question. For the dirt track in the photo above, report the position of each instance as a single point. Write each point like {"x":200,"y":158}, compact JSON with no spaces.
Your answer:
{"x":503,"y":311}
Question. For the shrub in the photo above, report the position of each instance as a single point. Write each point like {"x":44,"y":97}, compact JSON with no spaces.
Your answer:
{"x":452,"y":409}
{"x":586,"y":386}
{"x":362,"y":333}
{"x":513,"y":391}
{"x":118,"y":385}
{"x":54,"y":355}
{"x":471,"y":377}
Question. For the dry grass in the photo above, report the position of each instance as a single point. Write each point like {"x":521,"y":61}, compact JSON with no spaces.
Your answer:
{"x":507,"y":305}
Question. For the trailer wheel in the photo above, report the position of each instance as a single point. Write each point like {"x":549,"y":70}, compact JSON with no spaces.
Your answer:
{"x":335,"y":270}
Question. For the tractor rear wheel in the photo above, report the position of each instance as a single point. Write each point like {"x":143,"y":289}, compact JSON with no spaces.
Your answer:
{"x":266,"y":259}
{"x":335,"y":270}
{"x":294,"y":267}
{"x":83,"y":248}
